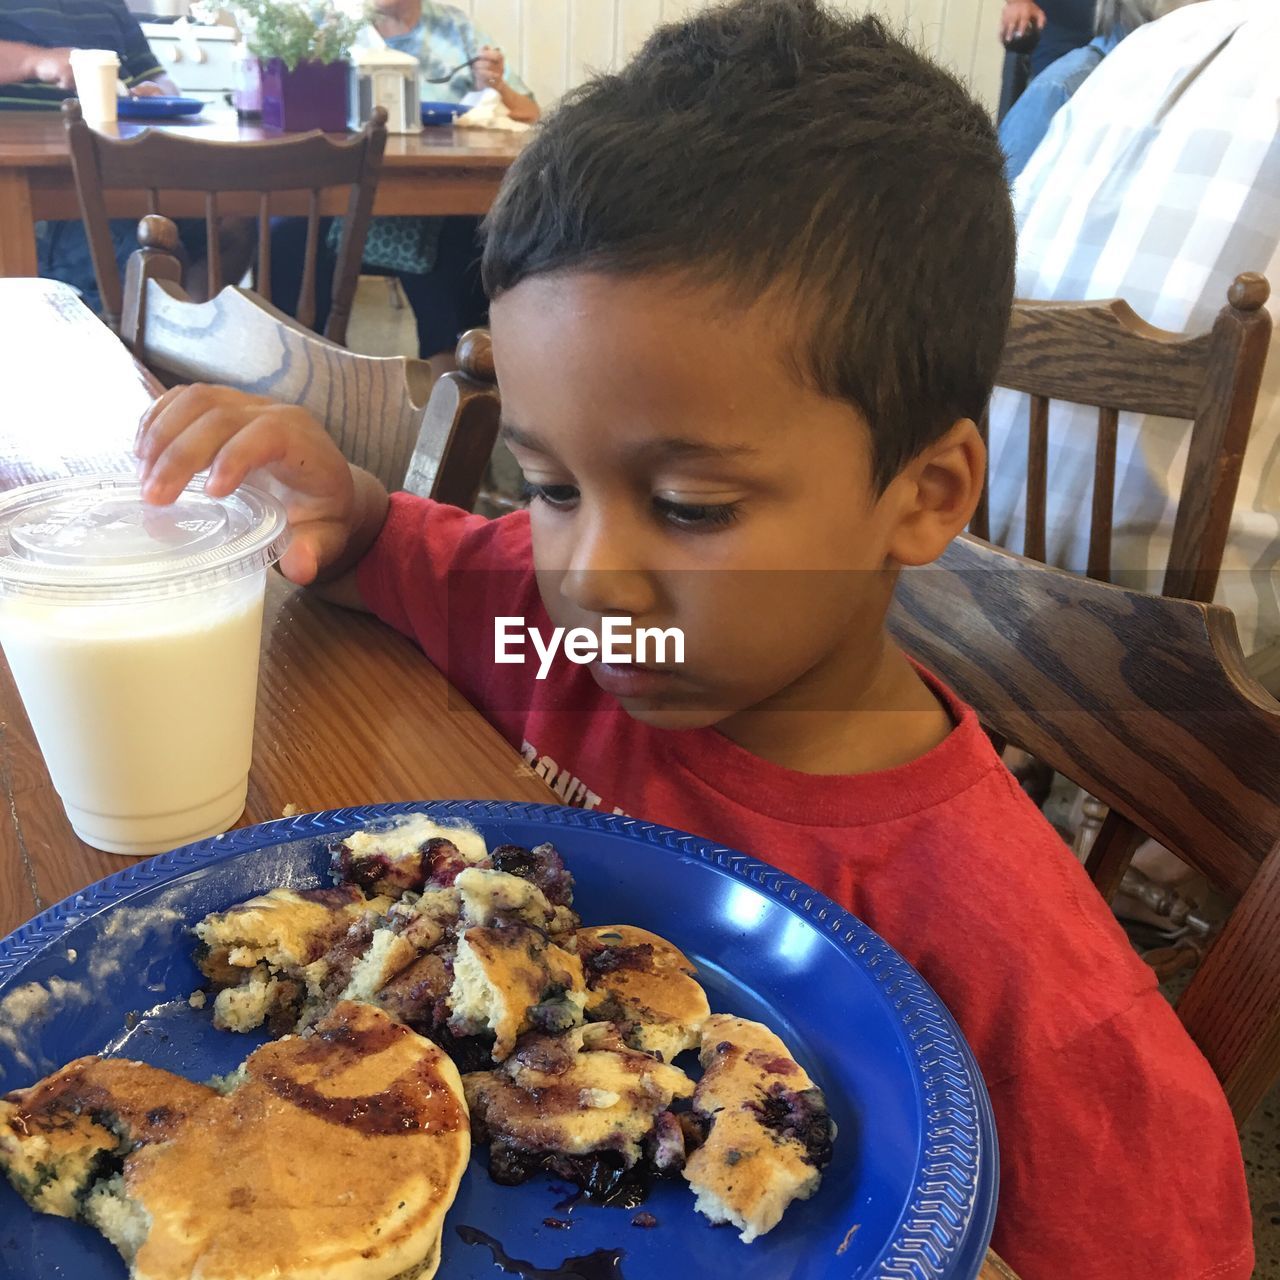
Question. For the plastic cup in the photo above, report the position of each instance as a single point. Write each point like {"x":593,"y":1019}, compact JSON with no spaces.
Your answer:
{"x":133,"y":634}
{"x":96,"y":72}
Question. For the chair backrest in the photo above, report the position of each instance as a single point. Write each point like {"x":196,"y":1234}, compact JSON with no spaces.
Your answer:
{"x":161,"y":160}
{"x":1145,"y":702}
{"x":371,"y":405}
{"x":1102,"y":354}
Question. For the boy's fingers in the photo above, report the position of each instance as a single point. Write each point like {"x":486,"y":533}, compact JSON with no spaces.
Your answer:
{"x":201,"y":446}
{"x":175,"y":411}
{"x":276,"y":438}
{"x":153,"y":412}
{"x":173,"y":417}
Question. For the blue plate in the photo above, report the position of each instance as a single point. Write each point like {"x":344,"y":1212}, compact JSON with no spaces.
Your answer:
{"x":911,"y":1191}
{"x":441,"y":112}
{"x":157,"y":108}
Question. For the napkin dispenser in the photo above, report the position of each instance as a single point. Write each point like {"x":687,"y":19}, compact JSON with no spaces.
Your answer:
{"x":385,"y":78}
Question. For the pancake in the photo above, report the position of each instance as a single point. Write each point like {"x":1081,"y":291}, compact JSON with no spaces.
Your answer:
{"x":584,"y":1105}
{"x":638,"y":980}
{"x":335,"y":1157}
{"x":257,"y":955}
{"x":491,"y":898}
{"x":513,"y":979}
{"x":409,"y":855}
{"x":285,"y":928}
{"x":61,"y":1135}
{"x":769,"y":1134}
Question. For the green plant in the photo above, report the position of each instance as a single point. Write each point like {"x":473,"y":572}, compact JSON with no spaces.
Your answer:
{"x":301,"y":30}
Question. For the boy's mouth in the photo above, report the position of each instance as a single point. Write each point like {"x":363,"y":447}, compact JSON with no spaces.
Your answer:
{"x":631,"y":680}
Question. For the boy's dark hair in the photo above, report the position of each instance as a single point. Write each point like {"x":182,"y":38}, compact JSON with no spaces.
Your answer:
{"x":776,"y":147}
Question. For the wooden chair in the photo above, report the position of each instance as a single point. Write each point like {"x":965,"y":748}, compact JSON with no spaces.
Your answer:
{"x":1102,"y":354}
{"x":160,"y":160}
{"x":1145,"y":702}
{"x":371,"y":405}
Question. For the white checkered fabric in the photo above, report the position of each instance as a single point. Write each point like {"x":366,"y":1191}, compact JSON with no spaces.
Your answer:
{"x":1157,"y":183}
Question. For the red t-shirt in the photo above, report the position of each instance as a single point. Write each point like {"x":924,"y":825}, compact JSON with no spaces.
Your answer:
{"x":1119,"y":1157}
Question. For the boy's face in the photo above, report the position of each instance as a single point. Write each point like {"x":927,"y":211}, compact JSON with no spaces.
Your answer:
{"x":683,"y":477}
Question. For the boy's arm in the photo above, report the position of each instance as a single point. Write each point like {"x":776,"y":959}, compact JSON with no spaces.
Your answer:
{"x":336,"y":581}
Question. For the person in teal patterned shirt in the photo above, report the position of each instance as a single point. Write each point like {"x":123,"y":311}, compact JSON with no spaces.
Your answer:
{"x":437,"y":260}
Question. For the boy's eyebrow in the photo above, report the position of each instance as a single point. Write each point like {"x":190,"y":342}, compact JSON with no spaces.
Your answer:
{"x":663,"y":447}
{"x":509,"y":433}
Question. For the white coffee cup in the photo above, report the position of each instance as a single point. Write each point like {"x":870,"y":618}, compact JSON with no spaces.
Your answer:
{"x":133,"y":634}
{"x":96,"y":72}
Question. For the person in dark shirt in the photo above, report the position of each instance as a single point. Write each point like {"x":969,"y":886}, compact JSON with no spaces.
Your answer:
{"x":36,"y":42}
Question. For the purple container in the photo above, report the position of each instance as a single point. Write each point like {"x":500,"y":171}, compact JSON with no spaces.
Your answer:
{"x":311,"y":96}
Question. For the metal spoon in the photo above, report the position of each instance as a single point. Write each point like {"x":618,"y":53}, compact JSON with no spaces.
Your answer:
{"x":471,"y":62}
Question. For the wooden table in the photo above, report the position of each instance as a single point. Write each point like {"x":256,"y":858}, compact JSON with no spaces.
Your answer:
{"x":349,"y":712}
{"x":438,"y":171}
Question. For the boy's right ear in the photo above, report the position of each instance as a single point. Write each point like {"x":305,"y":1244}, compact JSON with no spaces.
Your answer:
{"x":936,"y":495}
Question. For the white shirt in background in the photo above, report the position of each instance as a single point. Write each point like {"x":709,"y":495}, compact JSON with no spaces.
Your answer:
{"x":1157,"y":183}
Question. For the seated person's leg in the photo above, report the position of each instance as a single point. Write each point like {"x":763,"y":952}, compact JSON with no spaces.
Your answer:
{"x":288,"y":256}
{"x":448,"y":300}
{"x":62,"y":253}
{"x":237,"y":240}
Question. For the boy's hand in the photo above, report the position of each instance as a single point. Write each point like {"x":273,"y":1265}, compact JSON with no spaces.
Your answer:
{"x":233,"y":434}
{"x":1017,"y":16}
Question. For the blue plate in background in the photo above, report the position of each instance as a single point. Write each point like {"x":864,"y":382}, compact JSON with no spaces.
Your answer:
{"x":441,"y":112}
{"x":157,"y":108}
{"x":911,"y":1190}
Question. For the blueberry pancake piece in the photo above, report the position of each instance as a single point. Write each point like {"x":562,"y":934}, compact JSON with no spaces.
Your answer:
{"x":337,"y":1155}
{"x":768,"y":1132}
{"x":511,"y":980}
{"x":410,"y":855}
{"x":583,"y":1105}
{"x":639,"y":980}
{"x":284,"y":929}
{"x":257,"y":954}
{"x":62,"y":1135}
{"x":331,"y":1156}
{"x":494,"y":898}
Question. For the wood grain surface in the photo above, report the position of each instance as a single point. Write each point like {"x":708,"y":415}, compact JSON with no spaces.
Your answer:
{"x":161,"y":161}
{"x":1145,"y":702}
{"x":437,"y":171}
{"x":236,"y":340}
{"x":349,"y":712}
{"x":1103,"y":354}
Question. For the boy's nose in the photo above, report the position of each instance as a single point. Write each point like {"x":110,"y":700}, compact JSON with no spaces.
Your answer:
{"x":603,"y":576}
{"x":620,"y":592}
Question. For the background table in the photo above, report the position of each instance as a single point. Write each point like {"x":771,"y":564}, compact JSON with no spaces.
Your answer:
{"x":349,"y":712}
{"x":437,"y":171}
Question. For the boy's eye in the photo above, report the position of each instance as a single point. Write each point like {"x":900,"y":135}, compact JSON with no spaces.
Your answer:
{"x":554,"y":495}
{"x":697,"y":516}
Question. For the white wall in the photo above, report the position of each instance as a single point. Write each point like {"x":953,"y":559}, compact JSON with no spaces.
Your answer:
{"x":554,"y":44}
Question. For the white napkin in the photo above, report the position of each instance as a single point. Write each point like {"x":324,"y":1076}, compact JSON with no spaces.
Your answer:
{"x":489,"y":112}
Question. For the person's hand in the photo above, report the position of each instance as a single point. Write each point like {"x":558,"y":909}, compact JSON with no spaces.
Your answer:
{"x":147,"y":89}
{"x":1017,"y":16}
{"x":53,"y":66}
{"x":490,"y":68}
{"x":233,"y":434}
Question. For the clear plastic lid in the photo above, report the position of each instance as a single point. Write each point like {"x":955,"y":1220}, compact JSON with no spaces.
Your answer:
{"x":93,"y":538}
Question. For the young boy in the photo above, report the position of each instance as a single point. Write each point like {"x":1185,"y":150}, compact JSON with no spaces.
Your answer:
{"x":749,"y":296}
